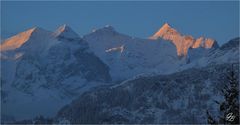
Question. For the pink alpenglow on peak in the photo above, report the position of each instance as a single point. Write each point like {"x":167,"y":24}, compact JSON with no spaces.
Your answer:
{"x":182,"y":42}
{"x":21,"y":38}
{"x":165,"y":29}
{"x":204,"y":42}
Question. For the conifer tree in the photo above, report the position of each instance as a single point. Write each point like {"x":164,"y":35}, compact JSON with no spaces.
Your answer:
{"x":229,"y":108}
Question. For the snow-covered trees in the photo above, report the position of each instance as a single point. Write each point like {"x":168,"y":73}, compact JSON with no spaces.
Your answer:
{"x":229,"y":108}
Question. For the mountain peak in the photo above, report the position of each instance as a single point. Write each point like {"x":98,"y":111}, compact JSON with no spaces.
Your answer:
{"x":36,"y":29}
{"x":107,"y":28}
{"x":65,"y":31}
{"x":166,"y":25}
{"x":182,"y":42}
{"x":165,"y":29}
{"x":63,"y":28}
{"x":19,"y":39}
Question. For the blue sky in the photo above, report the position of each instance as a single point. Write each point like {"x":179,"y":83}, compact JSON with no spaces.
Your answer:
{"x":218,"y":20}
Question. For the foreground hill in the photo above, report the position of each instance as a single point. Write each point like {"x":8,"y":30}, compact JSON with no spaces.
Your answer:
{"x":181,"y":97}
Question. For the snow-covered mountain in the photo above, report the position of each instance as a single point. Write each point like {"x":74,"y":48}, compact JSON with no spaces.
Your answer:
{"x":180,"y":97}
{"x":227,"y":53}
{"x":56,"y":67}
{"x":183,"y":43}
{"x":51,"y":67}
{"x":129,"y":56}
